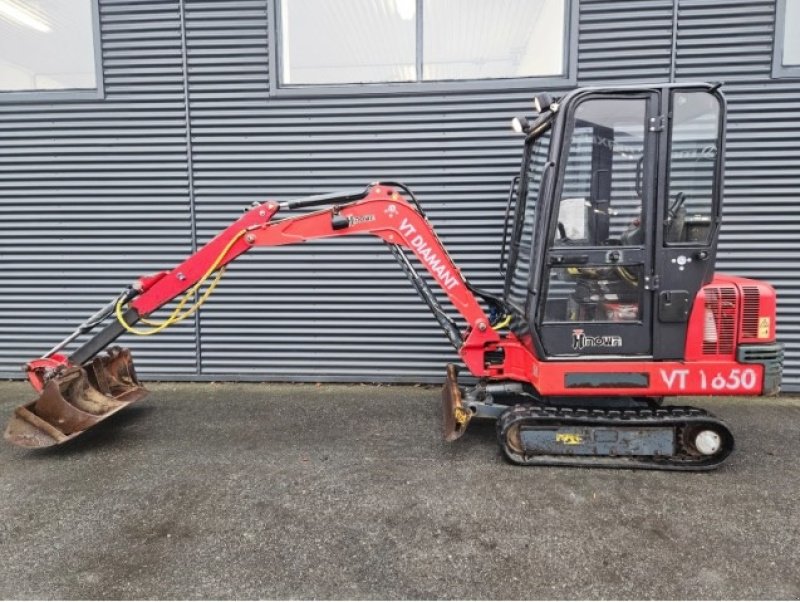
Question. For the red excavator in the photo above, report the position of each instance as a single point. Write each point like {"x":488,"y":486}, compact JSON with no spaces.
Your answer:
{"x":610,"y":302}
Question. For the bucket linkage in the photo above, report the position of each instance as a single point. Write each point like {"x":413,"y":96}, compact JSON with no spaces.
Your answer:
{"x":76,"y":395}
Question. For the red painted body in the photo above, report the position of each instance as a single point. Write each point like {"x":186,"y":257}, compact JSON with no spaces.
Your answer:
{"x":722,"y":314}
{"x":38,"y":368}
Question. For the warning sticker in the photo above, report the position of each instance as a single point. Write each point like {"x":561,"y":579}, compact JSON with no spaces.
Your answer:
{"x":763,"y":327}
{"x":569,"y":438}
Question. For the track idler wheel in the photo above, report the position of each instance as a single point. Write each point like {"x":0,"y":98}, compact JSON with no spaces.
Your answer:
{"x":76,"y":400}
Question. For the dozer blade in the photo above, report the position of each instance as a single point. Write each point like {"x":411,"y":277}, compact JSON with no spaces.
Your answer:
{"x":77,"y":400}
{"x":455,"y":416}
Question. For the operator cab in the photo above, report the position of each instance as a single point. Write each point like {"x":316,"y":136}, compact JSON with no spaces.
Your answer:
{"x":616,"y":213}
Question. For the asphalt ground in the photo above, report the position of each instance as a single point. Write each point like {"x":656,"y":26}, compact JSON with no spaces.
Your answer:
{"x":302,"y":491}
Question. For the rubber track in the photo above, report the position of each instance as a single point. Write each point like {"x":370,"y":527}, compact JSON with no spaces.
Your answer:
{"x":678,"y":417}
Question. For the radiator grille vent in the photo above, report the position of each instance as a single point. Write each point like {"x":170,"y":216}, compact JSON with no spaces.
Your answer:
{"x":750,"y":311}
{"x":720,"y":327}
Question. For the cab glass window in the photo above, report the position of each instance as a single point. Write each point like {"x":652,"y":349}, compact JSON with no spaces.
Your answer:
{"x":601,"y":201}
{"x":692,"y":167}
{"x":526,"y":213}
{"x":594,"y":294}
{"x":600,"y":205}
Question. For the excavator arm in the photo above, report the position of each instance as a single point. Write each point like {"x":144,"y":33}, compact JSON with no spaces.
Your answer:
{"x":382,"y":212}
{"x":90,"y":384}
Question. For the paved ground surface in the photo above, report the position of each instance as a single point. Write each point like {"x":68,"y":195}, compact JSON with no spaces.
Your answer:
{"x":278,"y":491}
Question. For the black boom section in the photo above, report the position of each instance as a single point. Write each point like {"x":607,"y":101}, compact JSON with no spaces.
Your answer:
{"x":103,"y":339}
{"x":446,"y":322}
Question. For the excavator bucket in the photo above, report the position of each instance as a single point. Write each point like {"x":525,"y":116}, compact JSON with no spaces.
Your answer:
{"x":455,"y":416}
{"x":76,"y":400}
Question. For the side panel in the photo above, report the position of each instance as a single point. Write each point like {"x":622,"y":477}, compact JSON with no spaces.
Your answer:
{"x":728,"y":312}
{"x":648,"y":379}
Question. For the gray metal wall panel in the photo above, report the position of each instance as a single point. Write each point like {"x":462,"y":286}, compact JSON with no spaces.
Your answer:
{"x":115,"y":183}
{"x":624,"y":41}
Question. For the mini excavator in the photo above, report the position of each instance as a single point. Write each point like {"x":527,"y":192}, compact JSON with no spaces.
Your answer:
{"x":609,"y":302}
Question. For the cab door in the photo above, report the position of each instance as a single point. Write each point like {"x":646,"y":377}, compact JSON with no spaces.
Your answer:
{"x":688,"y":213}
{"x":596,"y":294}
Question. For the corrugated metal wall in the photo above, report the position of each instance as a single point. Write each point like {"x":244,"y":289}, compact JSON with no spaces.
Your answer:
{"x":94,"y":193}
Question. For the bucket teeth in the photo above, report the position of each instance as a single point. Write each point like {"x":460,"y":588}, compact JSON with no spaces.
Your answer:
{"x":113,"y":375}
{"x":455,"y":416}
{"x":76,"y":400}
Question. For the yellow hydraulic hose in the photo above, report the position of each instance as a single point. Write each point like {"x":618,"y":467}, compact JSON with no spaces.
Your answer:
{"x":176,"y":315}
{"x":503,"y":323}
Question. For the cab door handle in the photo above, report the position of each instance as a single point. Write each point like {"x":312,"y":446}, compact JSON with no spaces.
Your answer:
{"x":568,"y":259}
